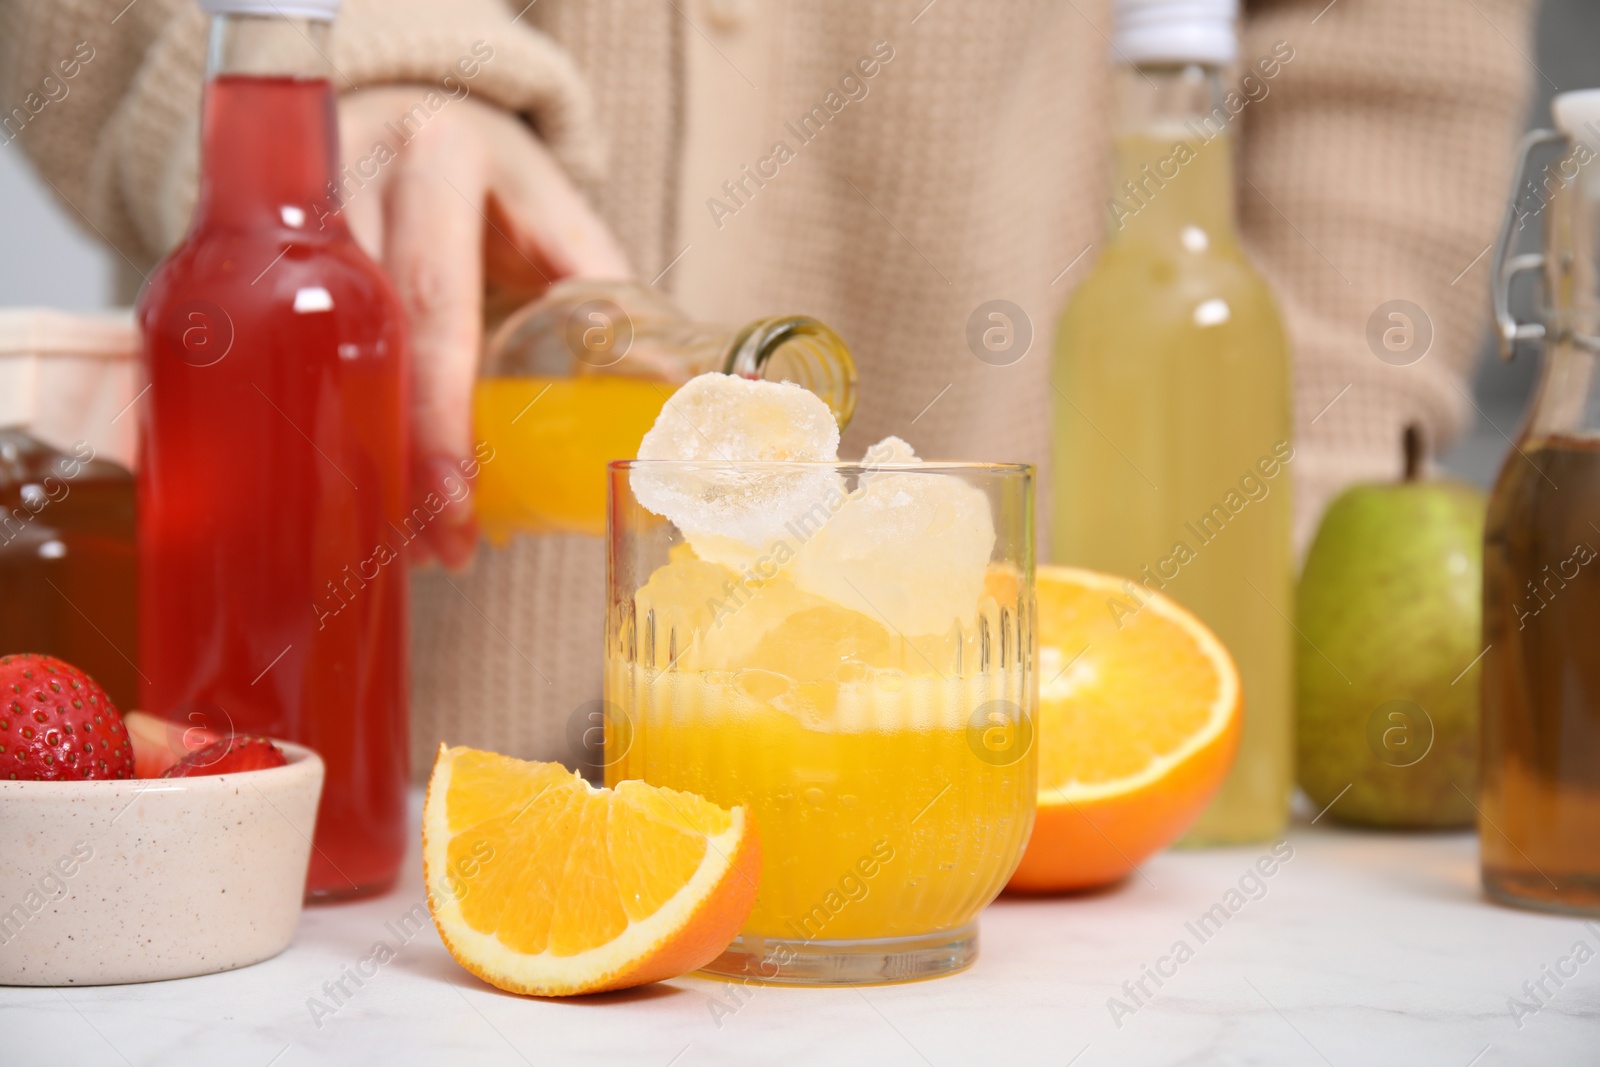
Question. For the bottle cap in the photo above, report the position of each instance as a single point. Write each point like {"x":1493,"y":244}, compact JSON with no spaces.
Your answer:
{"x":1176,"y":31}
{"x":321,"y":10}
{"x":1577,"y":114}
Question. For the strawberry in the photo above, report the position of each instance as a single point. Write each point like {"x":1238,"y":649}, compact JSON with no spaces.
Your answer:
{"x":229,"y":756}
{"x":159,"y":743}
{"x":57,"y":724}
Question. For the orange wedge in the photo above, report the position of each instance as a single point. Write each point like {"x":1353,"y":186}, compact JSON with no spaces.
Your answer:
{"x":542,"y":884}
{"x":1139,"y":718}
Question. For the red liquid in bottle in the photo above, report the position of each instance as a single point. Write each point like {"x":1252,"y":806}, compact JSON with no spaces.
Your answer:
{"x":272,"y":476}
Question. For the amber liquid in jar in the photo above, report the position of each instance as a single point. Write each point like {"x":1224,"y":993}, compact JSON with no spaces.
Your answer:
{"x":1541,"y":679}
{"x":67,"y":573}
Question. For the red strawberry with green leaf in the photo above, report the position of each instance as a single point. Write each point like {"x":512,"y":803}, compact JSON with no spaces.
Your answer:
{"x":57,"y":724}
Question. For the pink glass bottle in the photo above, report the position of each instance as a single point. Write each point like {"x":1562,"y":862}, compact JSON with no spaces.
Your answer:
{"x":273,"y":449}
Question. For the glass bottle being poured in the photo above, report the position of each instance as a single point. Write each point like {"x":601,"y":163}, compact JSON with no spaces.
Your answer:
{"x":574,"y":379}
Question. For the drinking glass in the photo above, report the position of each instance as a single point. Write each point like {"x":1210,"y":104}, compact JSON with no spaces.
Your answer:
{"x":864,"y":682}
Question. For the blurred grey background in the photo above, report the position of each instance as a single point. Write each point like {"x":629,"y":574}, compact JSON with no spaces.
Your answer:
{"x":48,"y":261}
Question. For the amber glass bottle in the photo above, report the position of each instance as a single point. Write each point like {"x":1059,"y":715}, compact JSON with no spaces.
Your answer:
{"x":1540,"y":794}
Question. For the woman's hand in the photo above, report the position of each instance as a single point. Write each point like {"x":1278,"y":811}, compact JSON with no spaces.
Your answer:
{"x":463,"y":195}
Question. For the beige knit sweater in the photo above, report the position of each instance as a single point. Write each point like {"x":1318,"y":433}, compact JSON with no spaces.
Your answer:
{"x":974,"y":168}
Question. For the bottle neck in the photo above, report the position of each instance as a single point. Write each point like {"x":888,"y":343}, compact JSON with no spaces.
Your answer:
{"x":798,"y":349}
{"x":1566,"y":402}
{"x":269,"y":136}
{"x":1173,"y":167}
{"x":585,"y":325}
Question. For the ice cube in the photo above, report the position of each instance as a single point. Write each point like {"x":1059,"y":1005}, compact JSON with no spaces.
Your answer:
{"x":889,"y":452}
{"x":907,"y":547}
{"x":702,"y":615}
{"x":716,"y":418}
{"x":817,"y":643}
{"x":729,"y":552}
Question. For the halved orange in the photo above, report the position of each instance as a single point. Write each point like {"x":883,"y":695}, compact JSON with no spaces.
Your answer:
{"x":542,"y":884}
{"x":1139,"y":718}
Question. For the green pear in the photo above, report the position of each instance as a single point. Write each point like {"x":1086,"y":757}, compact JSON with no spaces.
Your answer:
{"x":1389,"y":611}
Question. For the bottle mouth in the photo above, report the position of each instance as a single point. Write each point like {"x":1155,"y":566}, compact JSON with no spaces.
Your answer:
{"x":802,"y":350}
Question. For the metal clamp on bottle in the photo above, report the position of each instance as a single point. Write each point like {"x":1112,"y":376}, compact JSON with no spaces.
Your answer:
{"x":1505,"y":267}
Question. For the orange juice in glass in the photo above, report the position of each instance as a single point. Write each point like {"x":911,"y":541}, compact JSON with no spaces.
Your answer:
{"x":863,"y":681}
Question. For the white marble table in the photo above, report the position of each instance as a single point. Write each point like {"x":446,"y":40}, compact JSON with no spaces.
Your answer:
{"x":1363,"y":949}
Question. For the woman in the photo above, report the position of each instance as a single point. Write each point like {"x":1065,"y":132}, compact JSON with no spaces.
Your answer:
{"x":934,"y":156}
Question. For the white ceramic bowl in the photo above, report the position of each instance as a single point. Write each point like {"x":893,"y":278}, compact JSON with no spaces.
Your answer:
{"x":139,"y":880}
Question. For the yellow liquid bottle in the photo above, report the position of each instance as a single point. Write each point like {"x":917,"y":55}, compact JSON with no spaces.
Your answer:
{"x":1173,"y":450}
{"x":576,"y":379}
{"x":552,"y":438}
